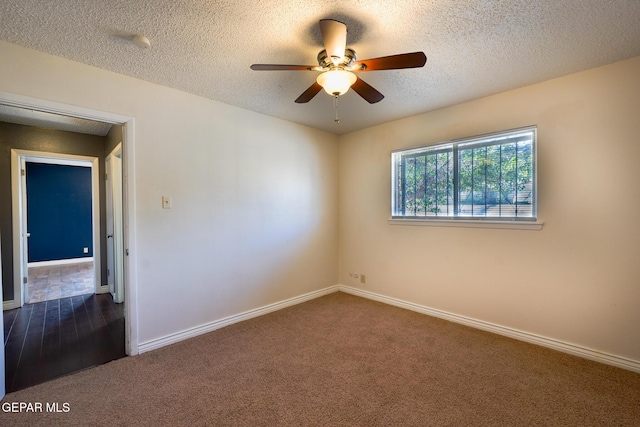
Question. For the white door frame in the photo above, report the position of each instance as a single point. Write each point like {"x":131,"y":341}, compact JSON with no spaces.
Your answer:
{"x":115,"y":255}
{"x":129,"y":202}
{"x":19,"y":211}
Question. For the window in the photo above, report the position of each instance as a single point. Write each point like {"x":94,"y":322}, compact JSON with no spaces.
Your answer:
{"x":487,"y":177}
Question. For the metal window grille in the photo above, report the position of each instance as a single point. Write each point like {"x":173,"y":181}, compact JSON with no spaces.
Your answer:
{"x":490,"y":176}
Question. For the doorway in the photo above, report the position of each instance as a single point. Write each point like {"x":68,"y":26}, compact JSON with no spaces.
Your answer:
{"x":59,"y":336}
{"x":56,"y":205}
{"x":130,"y":341}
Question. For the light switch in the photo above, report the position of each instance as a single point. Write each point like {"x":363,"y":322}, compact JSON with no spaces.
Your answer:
{"x":166,"y":202}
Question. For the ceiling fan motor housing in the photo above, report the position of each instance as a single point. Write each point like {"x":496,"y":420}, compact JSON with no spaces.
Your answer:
{"x":324,"y":60}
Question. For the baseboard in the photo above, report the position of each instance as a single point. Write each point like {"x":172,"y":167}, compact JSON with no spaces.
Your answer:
{"x":576,"y":350}
{"x":221,"y":323}
{"x":60,"y":262}
{"x":9,"y":305}
{"x":102,"y":289}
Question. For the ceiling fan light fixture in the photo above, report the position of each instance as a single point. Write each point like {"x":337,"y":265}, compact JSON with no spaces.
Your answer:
{"x":336,"y":82}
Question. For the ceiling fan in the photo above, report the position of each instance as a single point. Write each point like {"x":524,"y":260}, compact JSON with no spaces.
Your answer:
{"x":337,"y":63}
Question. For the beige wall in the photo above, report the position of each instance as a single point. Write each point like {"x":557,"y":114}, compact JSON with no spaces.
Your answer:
{"x":264,"y":209}
{"x":254,"y":218}
{"x":578,"y":279}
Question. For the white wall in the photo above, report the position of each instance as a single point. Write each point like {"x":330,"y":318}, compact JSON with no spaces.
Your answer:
{"x":578,"y":279}
{"x":254,"y":218}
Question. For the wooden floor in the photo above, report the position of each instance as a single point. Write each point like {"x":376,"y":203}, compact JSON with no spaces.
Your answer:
{"x":51,"y":339}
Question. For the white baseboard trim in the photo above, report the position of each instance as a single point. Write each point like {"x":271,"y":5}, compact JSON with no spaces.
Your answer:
{"x":59,"y":262}
{"x":102,"y":289}
{"x":221,"y":323}
{"x":576,"y":350}
{"x":9,"y":305}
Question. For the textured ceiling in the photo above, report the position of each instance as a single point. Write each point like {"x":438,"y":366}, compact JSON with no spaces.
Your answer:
{"x":474,"y":47}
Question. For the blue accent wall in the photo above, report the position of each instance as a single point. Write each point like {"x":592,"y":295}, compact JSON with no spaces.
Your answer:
{"x":58,"y":211}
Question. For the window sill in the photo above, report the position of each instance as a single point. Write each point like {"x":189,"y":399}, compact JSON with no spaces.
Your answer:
{"x":468,"y":223}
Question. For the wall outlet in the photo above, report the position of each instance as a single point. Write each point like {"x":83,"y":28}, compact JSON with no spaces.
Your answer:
{"x":85,"y":250}
{"x":363,"y":279}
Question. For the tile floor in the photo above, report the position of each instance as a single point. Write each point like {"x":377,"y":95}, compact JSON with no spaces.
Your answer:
{"x":60,"y":281}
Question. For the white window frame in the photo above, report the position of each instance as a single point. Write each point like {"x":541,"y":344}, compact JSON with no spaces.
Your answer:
{"x":457,"y":220}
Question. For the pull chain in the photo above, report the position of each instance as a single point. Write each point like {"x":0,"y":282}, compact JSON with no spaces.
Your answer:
{"x":335,"y":106}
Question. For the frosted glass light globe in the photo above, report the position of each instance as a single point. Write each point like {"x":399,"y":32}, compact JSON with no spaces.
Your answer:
{"x":336,"y":82}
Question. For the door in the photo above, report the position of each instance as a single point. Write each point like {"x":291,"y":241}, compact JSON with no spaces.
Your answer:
{"x":115,"y":276}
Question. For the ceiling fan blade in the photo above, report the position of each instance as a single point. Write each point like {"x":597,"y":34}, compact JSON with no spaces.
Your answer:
{"x":334,"y":36}
{"x":367,"y":91}
{"x":308,"y":94}
{"x":393,"y":62}
{"x":279,"y":67}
